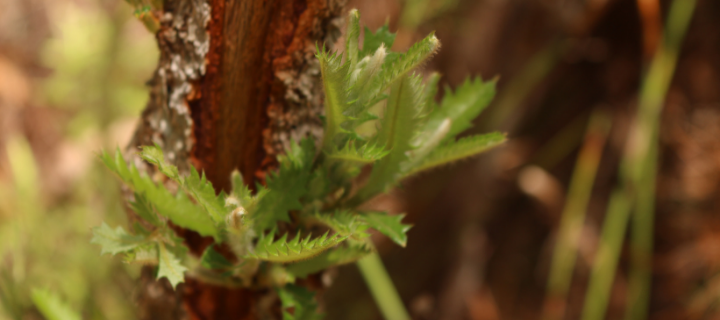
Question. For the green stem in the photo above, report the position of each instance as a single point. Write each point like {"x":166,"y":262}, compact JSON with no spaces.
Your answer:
{"x":640,"y":161}
{"x":606,"y":260}
{"x":641,"y":241}
{"x":382,"y":288}
{"x":573,"y":216}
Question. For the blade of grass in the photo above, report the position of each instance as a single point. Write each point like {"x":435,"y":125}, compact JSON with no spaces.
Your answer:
{"x":573,"y":216}
{"x":641,"y":241}
{"x":605,"y":264}
{"x":640,"y":159}
{"x":381,"y":287}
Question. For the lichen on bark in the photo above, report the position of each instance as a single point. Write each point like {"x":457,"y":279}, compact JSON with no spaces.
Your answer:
{"x":184,"y":42}
{"x":236,"y":81}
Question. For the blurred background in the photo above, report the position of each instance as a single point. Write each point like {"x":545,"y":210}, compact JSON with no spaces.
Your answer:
{"x":72,"y":79}
{"x":568,"y":220}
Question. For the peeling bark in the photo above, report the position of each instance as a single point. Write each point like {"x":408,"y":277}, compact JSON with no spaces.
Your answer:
{"x":236,"y":81}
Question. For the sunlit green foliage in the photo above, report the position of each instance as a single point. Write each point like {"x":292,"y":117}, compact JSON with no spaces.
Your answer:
{"x":51,"y":306}
{"x":284,"y":250}
{"x":95,"y":62}
{"x":298,"y":303}
{"x":313,"y":196}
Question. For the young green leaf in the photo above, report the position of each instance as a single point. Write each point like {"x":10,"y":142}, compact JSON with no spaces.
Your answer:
{"x":360,"y":155}
{"x":425,"y":142}
{"x":351,"y":38}
{"x":196,"y":185}
{"x":361,"y":77}
{"x":242,"y":193}
{"x":144,"y":255}
{"x":144,"y":209}
{"x":51,"y":307}
{"x":462,"y":106}
{"x":212,"y":259}
{"x":169,"y":266}
{"x":454,"y":151}
{"x":389,"y":225}
{"x":344,"y":223}
{"x":380,"y":69}
{"x":286,"y":186}
{"x":397,"y":128}
{"x":395,"y":68}
{"x":329,"y":258}
{"x":203,"y":192}
{"x":179,"y":209}
{"x":154,"y":155}
{"x":374,"y":40}
{"x":431,"y":89}
{"x":298,"y":303}
{"x":361,"y":81}
{"x":334,"y":74}
{"x":284,"y":251}
{"x":115,"y":241}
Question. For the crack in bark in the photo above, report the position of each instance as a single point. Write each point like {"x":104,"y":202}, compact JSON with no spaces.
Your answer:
{"x":233,"y":85}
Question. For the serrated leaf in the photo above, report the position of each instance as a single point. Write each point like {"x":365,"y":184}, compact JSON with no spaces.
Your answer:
{"x":139,"y":229}
{"x":179,"y":209}
{"x":51,"y":307}
{"x":389,"y":225}
{"x":360,"y":81}
{"x":320,"y":183}
{"x":285,"y":251}
{"x":424,"y":143}
{"x":145,"y":255}
{"x":203,"y":192}
{"x":374,"y":40}
{"x":242,"y":192}
{"x":301,"y":154}
{"x":169,"y":266}
{"x":398,"y":66}
{"x":461,"y":149}
{"x":329,"y":258}
{"x":195,"y":184}
{"x":286,"y":186}
{"x":351,"y":38}
{"x":142,"y":207}
{"x":212,"y":259}
{"x":334,"y":74}
{"x":154,"y":155}
{"x":431,"y":90}
{"x":365,"y":154}
{"x":397,"y":129}
{"x":463,"y":105}
{"x":175,"y":243}
{"x":344,"y":223}
{"x":298,"y":303}
{"x":115,"y":241}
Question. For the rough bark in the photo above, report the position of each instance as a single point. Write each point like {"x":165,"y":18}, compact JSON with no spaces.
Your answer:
{"x":236,"y":81}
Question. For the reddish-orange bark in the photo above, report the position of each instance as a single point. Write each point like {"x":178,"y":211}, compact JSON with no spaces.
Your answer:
{"x":239,"y":114}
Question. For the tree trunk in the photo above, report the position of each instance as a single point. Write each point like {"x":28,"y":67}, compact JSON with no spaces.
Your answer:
{"x":236,"y":81}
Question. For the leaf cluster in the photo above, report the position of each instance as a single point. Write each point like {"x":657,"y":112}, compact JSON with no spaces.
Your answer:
{"x":379,"y":115}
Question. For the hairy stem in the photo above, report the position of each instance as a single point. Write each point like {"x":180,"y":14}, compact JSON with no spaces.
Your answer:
{"x":640,"y":161}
